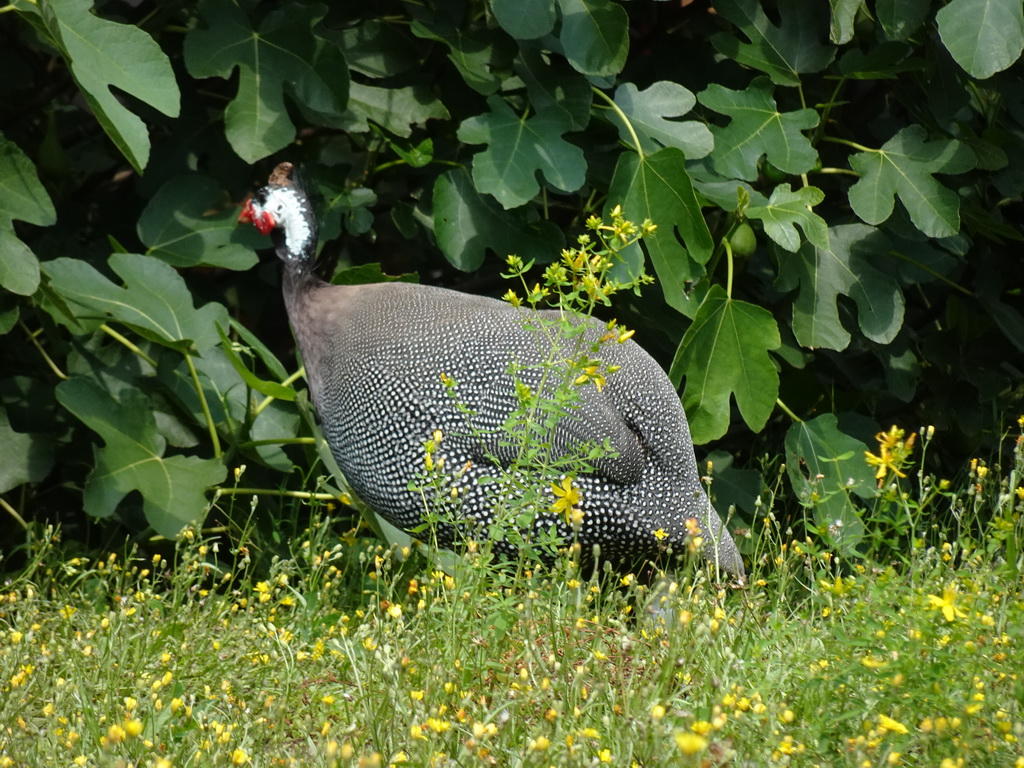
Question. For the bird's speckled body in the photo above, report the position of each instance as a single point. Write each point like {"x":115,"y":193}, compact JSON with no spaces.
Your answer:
{"x":374,"y":358}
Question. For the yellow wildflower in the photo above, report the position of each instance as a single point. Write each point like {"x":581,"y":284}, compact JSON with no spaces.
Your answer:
{"x":690,"y":743}
{"x":947,"y":604}
{"x":567,"y":497}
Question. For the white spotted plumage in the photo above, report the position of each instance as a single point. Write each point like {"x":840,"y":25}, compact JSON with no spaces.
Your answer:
{"x":375,"y":356}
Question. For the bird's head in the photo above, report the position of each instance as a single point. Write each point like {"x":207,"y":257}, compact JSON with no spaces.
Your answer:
{"x":282,"y":210}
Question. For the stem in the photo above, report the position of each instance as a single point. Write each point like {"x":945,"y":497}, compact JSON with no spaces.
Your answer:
{"x":855,"y":145}
{"x":785,"y":410}
{"x":39,"y":348}
{"x":846,"y":171}
{"x":118,"y":337}
{"x":307,"y":495}
{"x":728,"y":272}
{"x":932,"y":272}
{"x":279,"y":441}
{"x":211,"y":427}
{"x":287,"y":382}
{"x":826,"y":113}
{"x":623,"y":118}
{"x":14,"y":513}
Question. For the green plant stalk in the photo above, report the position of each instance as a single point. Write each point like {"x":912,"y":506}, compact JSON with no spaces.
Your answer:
{"x":14,"y":513}
{"x":304,"y":495}
{"x":126,"y":342}
{"x":728,"y":268}
{"x":622,"y":116}
{"x":270,"y":398}
{"x":211,"y":427}
{"x":785,"y":409}
{"x":279,"y":441}
{"x":39,"y":348}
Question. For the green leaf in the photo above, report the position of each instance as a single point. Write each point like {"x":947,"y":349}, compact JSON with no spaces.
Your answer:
{"x":525,"y":19}
{"x":903,"y":167}
{"x":519,"y":148}
{"x":901,"y":18}
{"x":844,"y":268}
{"x":132,"y":459}
{"x":480,"y":54}
{"x":377,"y":48}
{"x":282,"y":53}
{"x":555,"y":86}
{"x":783,"y":52}
{"x":262,"y":351}
{"x":154,"y":300}
{"x":594,"y":36}
{"x":178,"y":227}
{"x":657,"y":187}
{"x":264,"y":387}
{"x":826,"y":469}
{"x":785,"y":209}
{"x":25,"y":457}
{"x":758,"y":129}
{"x":984,"y":36}
{"x":275,"y":422}
{"x":648,"y":111}
{"x":466,"y":224}
{"x":844,"y":13}
{"x":22,"y":197}
{"x":19,"y":267}
{"x":724,"y":353}
{"x":395,"y":109}
{"x":103,"y":55}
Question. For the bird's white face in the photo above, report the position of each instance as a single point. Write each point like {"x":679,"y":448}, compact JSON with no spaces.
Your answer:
{"x":284,"y":207}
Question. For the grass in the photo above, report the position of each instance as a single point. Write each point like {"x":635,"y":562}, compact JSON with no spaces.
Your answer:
{"x":342,"y":655}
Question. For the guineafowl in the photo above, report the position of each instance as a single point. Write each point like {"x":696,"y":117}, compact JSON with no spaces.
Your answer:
{"x":377,"y":358}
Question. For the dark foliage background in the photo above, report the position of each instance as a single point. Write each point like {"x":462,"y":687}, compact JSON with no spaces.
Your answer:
{"x":837,"y":188}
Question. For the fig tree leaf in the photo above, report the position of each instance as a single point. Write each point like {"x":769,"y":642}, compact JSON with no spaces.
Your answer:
{"x":648,"y":111}
{"x":827,"y":469}
{"x":261,"y":350}
{"x":782,"y":52}
{"x":378,"y":49}
{"x":480,"y":54}
{"x":983,"y":36}
{"x":901,"y":18}
{"x":903,"y":167}
{"x":467,"y":223}
{"x":25,"y":457}
{"x":264,"y":387}
{"x":102,"y":55}
{"x":555,"y":86}
{"x":757,"y":129}
{"x":177,"y":227}
{"x":22,"y":197}
{"x":785,"y":209}
{"x":844,"y":13}
{"x":845,"y":268}
{"x":517,"y":149}
{"x":724,"y":354}
{"x":657,"y":187}
{"x":525,"y":19}
{"x":19,"y":267}
{"x":594,"y":36}
{"x":275,"y":422}
{"x":154,"y":300}
{"x":132,"y":459}
{"x":283,"y":53}
{"x":394,"y":109}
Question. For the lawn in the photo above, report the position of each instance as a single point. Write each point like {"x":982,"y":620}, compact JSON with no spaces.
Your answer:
{"x":341,"y":653}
